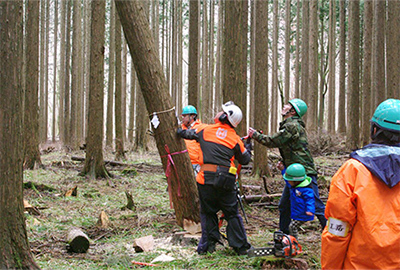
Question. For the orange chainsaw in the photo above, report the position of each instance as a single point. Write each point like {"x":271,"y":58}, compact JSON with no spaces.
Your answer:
{"x":284,"y":245}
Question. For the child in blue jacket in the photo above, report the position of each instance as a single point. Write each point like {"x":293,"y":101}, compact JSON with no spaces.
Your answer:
{"x":301,"y":196}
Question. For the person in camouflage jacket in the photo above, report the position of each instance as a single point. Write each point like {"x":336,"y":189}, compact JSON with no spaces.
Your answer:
{"x":291,"y":139}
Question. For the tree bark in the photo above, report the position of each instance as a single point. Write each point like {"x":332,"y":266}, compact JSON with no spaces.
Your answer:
{"x":155,"y":92}
{"x":67,"y":71}
{"x":194,"y":64}
{"x":332,"y":67}
{"x":367,"y":74}
{"x":260,"y":166}
{"x":378,"y":52}
{"x":287,"y":50}
{"x":393,"y":49}
{"x":234,"y":83}
{"x":119,"y":138}
{"x":342,"y":68}
{"x":53,"y":133}
{"x":298,"y":46}
{"x":353,"y":113}
{"x":31,"y":115}
{"x":312,"y":100}
{"x":275,"y":82}
{"x":304,"y":51}
{"x":110,"y":90}
{"x":14,"y":246}
{"x":94,"y":162}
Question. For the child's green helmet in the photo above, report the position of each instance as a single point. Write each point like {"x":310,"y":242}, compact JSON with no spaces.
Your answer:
{"x":190,"y":109}
{"x":295,"y":172}
{"x":387,"y":115}
{"x":299,"y":106}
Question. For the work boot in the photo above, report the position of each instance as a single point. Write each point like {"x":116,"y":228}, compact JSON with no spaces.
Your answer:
{"x":243,"y":250}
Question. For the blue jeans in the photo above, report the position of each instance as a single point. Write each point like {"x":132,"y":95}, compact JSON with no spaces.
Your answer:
{"x":284,"y":207}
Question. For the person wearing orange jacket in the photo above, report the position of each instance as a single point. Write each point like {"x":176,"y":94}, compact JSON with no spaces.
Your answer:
{"x":363,"y":208}
{"x":216,"y":181}
{"x":190,"y":121}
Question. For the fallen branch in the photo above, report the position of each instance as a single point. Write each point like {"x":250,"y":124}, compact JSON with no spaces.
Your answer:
{"x":261,"y":198}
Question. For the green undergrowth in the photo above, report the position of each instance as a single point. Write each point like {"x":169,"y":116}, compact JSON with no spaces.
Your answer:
{"x":112,"y":247}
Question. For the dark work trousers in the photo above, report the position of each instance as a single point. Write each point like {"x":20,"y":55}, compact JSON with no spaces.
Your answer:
{"x":211,"y":201}
{"x":284,"y":207}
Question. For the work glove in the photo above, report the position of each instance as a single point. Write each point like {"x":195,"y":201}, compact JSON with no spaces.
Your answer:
{"x":179,"y":131}
{"x":251,"y":132}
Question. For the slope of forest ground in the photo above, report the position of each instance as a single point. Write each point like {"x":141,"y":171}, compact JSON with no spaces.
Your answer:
{"x":112,"y":247}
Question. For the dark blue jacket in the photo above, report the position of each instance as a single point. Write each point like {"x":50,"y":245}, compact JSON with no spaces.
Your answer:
{"x":302,"y":200}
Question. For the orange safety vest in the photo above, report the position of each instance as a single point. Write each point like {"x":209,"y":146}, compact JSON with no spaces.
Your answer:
{"x":192,"y":146}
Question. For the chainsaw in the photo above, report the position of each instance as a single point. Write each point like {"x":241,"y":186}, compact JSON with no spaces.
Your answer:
{"x":285,"y":246}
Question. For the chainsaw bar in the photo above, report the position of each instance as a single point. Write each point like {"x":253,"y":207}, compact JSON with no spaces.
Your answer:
{"x":259,"y":252}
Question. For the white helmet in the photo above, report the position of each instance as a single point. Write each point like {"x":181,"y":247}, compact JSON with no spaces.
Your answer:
{"x":233,"y":112}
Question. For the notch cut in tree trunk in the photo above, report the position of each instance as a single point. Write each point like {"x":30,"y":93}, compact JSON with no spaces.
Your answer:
{"x":78,"y":241}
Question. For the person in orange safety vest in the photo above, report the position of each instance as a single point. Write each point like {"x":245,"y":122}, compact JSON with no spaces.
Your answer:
{"x":363,"y":208}
{"x":216,"y":181}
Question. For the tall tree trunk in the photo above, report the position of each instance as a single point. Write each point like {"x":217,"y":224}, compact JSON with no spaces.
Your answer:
{"x":378,"y":52}
{"x":111,"y":69}
{"x":342,"y":68}
{"x":393,"y":50}
{"x":261,"y":83}
{"x":253,"y":29}
{"x":194,"y":63}
{"x":312,"y":100}
{"x":46,"y":74}
{"x":142,"y":121}
{"x":131,"y":125}
{"x":14,"y":246}
{"x":287,"y":51}
{"x":76,"y":79}
{"x":123,"y":87}
{"x":42,"y":81}
{"x":53,"y":133}
{"x":275,"y":82}
{"x":298,"y":46}
{"x":67,"y":103}
{"x":31,"y":116}
{"x":211,"y":63}
{"x":322,"y":77}
{"x":353,"y":133}
{"x":218,"y":64}
{"x":234,"y":84}
{"x":332,"y":67}
{"x":367,"y":74}
{"x":87,"y":25}
{"x":206,"y":114}
{"x":94,"y":163}
{"x":119,"y":138}
{"x":305,"y":51}
{"x":61,"y":83}
{"x":155,"y":92}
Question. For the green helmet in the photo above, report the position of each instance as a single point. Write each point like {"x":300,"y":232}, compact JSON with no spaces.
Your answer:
{"x":295,"y":172}
{"x":299,"y":106}
{"x":387,"y":115}
{"x":189,"y":110}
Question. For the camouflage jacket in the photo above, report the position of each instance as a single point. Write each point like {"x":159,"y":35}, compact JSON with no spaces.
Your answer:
{"x":291,"y":139}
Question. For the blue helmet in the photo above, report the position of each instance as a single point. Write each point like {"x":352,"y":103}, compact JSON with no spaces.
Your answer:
{"x":189,"y":110}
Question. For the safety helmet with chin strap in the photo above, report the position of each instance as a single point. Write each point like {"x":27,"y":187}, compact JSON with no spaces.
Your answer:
{"x":387,"y":115}
{"x":295,"y":172}
{"x":233,"y":113}
{"x":190,"y":109}
{"x":299,"y":106}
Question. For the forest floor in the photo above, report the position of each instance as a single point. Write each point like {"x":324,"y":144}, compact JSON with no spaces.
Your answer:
{"x":112,"y":247}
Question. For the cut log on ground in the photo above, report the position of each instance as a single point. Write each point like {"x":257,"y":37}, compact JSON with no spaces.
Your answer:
{"x":261,"y":198}
{"x":78,"y":241}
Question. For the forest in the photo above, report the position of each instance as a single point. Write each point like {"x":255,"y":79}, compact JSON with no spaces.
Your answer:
{"x":91,"y":93}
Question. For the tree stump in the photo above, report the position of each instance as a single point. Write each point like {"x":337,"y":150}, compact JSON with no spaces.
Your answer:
{"x":78,"y":241}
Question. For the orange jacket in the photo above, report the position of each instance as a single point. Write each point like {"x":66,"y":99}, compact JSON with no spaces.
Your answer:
{"x":220,"y":145}
{"x":192,"y":146}
{"x":370,"y":210}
